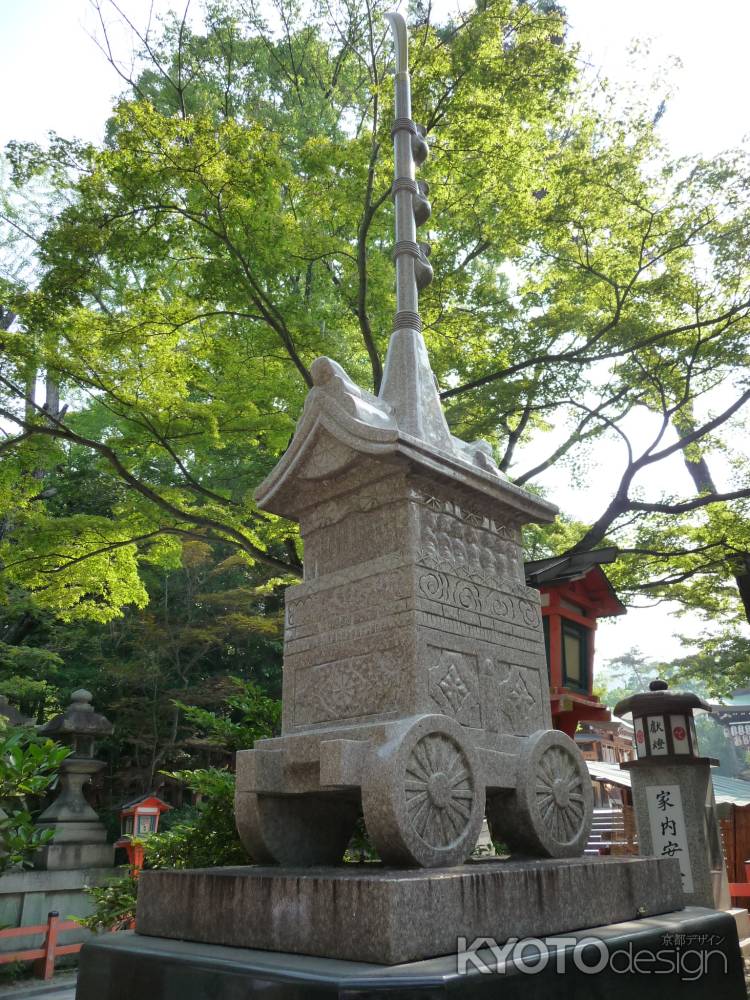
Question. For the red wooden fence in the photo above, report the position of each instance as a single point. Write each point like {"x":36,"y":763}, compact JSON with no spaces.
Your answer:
{"x":740,"y":891}
{"x":44,"y":957}
{"x":735,"y":835}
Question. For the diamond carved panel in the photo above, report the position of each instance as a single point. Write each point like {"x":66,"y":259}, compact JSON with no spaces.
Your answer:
{"x":511,"y":698}
{"x":454,"y":685}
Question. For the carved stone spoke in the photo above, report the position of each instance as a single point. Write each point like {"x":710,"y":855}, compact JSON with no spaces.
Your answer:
{"x":424,"y":798}
{"x":551,"y":809}
{"x":436,"y":803}
{"x":558,"y":783}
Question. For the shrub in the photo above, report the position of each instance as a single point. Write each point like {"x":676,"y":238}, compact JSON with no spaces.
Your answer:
{"x":114,"y":904}
{"x":28,"y":768}
{"x":205,"y":835}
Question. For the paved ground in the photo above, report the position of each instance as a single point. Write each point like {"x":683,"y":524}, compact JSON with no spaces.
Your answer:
{"x":63,"y":993}
{"x":62,"y":987}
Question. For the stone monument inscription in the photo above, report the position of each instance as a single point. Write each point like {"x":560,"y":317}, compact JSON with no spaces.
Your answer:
{"x":668,"y":829}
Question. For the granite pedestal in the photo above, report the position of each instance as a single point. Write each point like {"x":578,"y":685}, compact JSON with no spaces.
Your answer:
{"x":372,"y":913}
{"x":699,"y":960}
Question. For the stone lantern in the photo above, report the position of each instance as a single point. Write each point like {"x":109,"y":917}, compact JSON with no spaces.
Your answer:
{"x":80,"y":839}
{"x":139,"y":818}
{"x":673,"y":795}
{"x":663,"y":721}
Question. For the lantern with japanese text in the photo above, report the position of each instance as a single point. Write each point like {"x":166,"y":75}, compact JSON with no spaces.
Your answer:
{"x":663,"y":721}
{"x":673,"y":795}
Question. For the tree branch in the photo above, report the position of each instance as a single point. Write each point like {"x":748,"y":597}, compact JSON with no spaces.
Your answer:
{"x":57,"y":429}
{"x":580,"y":357}
{"x":688,"y":505}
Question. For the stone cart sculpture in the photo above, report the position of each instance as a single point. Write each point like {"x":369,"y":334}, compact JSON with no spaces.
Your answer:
{"x":415,"y":682}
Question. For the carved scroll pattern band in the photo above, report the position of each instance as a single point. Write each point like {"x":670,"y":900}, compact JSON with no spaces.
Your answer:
{"x":445,"y":588}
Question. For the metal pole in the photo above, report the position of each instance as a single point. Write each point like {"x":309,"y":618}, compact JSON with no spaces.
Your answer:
{"x":411,"y":206}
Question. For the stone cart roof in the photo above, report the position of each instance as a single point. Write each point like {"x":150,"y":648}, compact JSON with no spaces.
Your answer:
{"x":340,"y":420}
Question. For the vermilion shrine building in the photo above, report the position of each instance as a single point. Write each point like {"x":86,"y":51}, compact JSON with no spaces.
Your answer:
{"x":575,"y":594}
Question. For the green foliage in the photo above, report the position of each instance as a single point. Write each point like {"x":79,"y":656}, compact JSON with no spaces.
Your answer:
{"x":720,"y":667}
{"x":180,"y":279}
{"x":714,"y":742}
{"x":360,"y":848}
{"x":29,"y":669}
{"x":114,"y":904}
{"x":714,"y":672}
{"x":201,"y":836}
{"x":205,"y":835}
{"x":250,"y":715}
{"x":28,"y":763}
{"x":624,"y":675}
{"x":211,"y":619}
{"x":20,"y":839}
{"x":28,"y":768}
{"x":236,"y":224}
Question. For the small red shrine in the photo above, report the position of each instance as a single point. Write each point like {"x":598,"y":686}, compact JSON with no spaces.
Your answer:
{"x":138,"y":819}
{"x":575,"y":593}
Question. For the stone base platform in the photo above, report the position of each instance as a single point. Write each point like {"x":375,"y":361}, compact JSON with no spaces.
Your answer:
{"x":370,"y":913}
{"x":68,"y":856}
{"x":698,"y":960}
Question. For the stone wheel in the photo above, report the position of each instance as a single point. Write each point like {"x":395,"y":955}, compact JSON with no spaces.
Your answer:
{"x":549,"y":812}
{"x":295,"y":830}
{"x":423,"y":795}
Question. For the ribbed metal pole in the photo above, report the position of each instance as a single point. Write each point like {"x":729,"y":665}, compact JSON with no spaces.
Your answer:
{"x":412,"y":269}
{"x":408,"y":385}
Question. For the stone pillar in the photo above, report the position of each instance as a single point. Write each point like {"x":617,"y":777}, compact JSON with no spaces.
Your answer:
{"x":80,"y":839}
{"x":673,"y":795}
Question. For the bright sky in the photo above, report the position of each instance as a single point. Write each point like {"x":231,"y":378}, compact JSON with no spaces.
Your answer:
{"x":54,"y":78}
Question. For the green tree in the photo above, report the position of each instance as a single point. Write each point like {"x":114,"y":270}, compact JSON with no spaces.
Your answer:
{"x":719,"y":667}
{"x":237,"y":223}
{"x":629,"y":673}
{"x":713,"y":742}
{"x":246,"y":716}
{"x":204,"y":835}
{"x":207,"y":622}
